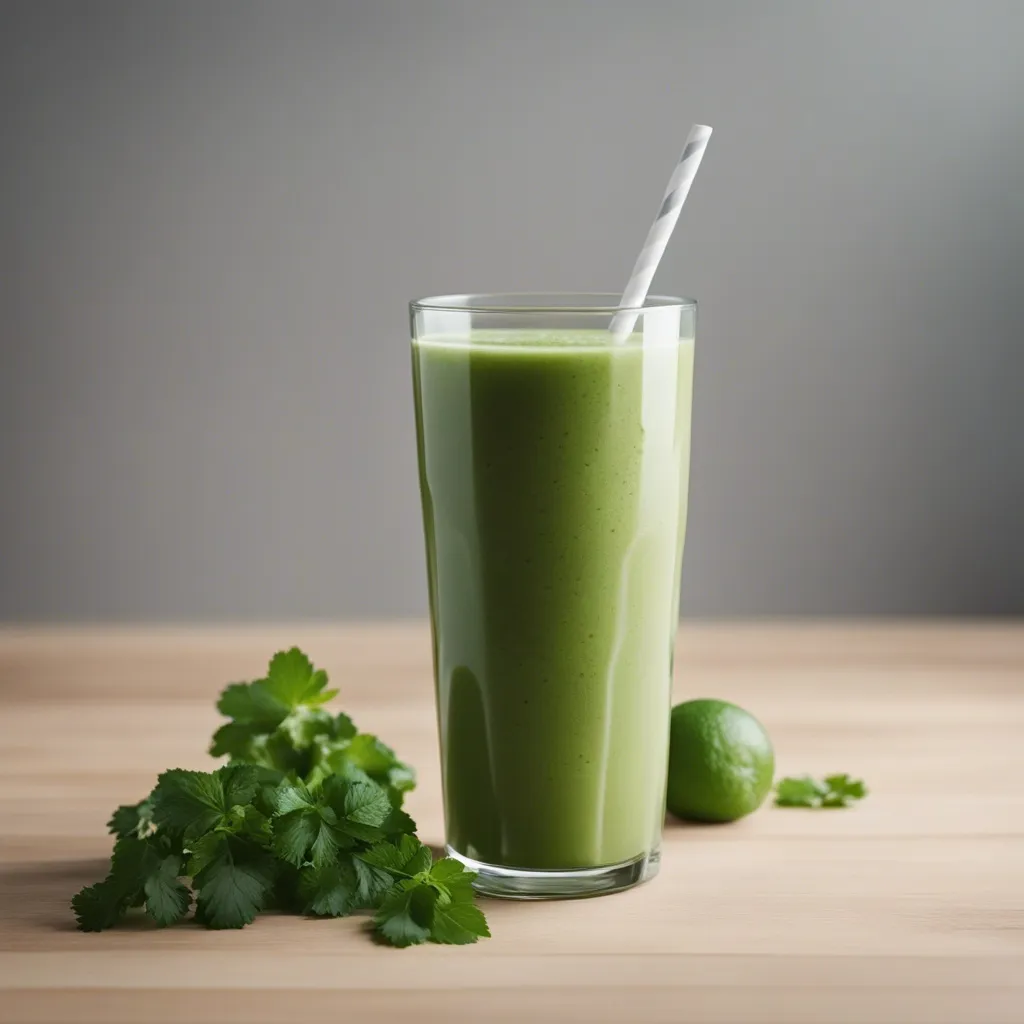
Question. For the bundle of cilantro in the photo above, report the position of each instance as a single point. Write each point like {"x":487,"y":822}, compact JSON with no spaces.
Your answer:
{"x":306,"y":816}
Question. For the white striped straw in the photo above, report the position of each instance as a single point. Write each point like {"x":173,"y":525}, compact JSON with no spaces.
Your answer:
{"x":661,"y":230}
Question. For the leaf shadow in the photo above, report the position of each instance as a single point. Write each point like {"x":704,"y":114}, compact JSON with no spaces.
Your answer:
{"x":38,"y":896}
{"x":683,"y":825}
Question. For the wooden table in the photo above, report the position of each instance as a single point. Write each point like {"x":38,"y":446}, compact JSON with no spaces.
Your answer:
{"x":908,"y":908}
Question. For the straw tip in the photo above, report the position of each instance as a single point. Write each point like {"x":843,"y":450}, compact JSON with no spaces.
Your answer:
{"x":701,"y":131}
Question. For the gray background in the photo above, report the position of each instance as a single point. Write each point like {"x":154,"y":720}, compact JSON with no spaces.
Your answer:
{"x":212,"y":215}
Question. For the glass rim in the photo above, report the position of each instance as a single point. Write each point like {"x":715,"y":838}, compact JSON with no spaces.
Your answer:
{"x":597,"y":303}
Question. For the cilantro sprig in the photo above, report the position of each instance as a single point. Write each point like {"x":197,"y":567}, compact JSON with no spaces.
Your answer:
{"x":305,"y":816}
{"x":832,"y":791}
{"x":429,"y":900}
{"x":280,"y":724}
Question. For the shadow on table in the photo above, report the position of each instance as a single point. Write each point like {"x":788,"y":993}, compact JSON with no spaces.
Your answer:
{"x":674,"y":824}
{"x":38,"y":896}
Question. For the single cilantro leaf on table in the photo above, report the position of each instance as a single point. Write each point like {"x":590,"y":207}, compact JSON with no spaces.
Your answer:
{"x":804,"y":791}
{"x":843,"y":790}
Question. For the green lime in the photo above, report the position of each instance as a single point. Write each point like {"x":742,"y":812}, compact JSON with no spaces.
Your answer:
{"x":720,"y":762}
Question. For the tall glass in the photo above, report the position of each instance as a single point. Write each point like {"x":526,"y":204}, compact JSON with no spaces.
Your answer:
{"x":553,"y":460}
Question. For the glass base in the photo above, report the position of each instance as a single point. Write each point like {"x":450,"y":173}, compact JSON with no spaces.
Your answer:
{"x":574,"y":883}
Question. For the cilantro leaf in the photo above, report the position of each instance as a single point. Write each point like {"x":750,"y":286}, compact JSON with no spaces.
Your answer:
{"x":314,"y":824}
{"x":329,"y":839}
{"x":804,"y":791}
{"x":203,"y":851}
{"x":367,"y":752}
{"x":406,"y":857}
{"x":132,"y":819}
{"x":141,"y":871}
{"x":102,"y":905}
{"x":247,"y":820}
{"x":167,"y":898}
{"x":344,"y":729}
{"x":799,"y":792}
{"x":436,"y":902}
{"x":304,"y":725}
{"x":286,"y":702}
{"x":457,"y":918}
{"x":451,"y":881}
{"x":372,"y":883}
{"x":402,"y":777}
{"x":843,"y":790}
{"x":197,"y":802}
{"x":312,"y":834}
{"x":98,"y":907}
{"x":378,"y":867}
{"x":379,"y":761}
{"x":450,"y":874}
{"x":253,"y":704}
{"x":294,"y":833}
{"x":458,"y":923}
{"x":291,"y":680}
{"x":237,"y":740}
{"x":397,"y":823}
{"x":279,"y":723}
{"x":406,"y":914}
{"x":294,"y":797}
{"x":331,"y":890}
{"x":233,"y":885}
{"x":364,"y":809}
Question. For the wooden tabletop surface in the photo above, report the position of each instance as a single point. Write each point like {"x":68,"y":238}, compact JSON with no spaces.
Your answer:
{"x":908,"y":908}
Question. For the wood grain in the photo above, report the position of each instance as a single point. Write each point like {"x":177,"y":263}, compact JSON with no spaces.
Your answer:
{"x":908,"y":908}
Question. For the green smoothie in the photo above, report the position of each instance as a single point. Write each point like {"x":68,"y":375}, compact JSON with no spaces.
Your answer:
{"x":553,"y":470}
